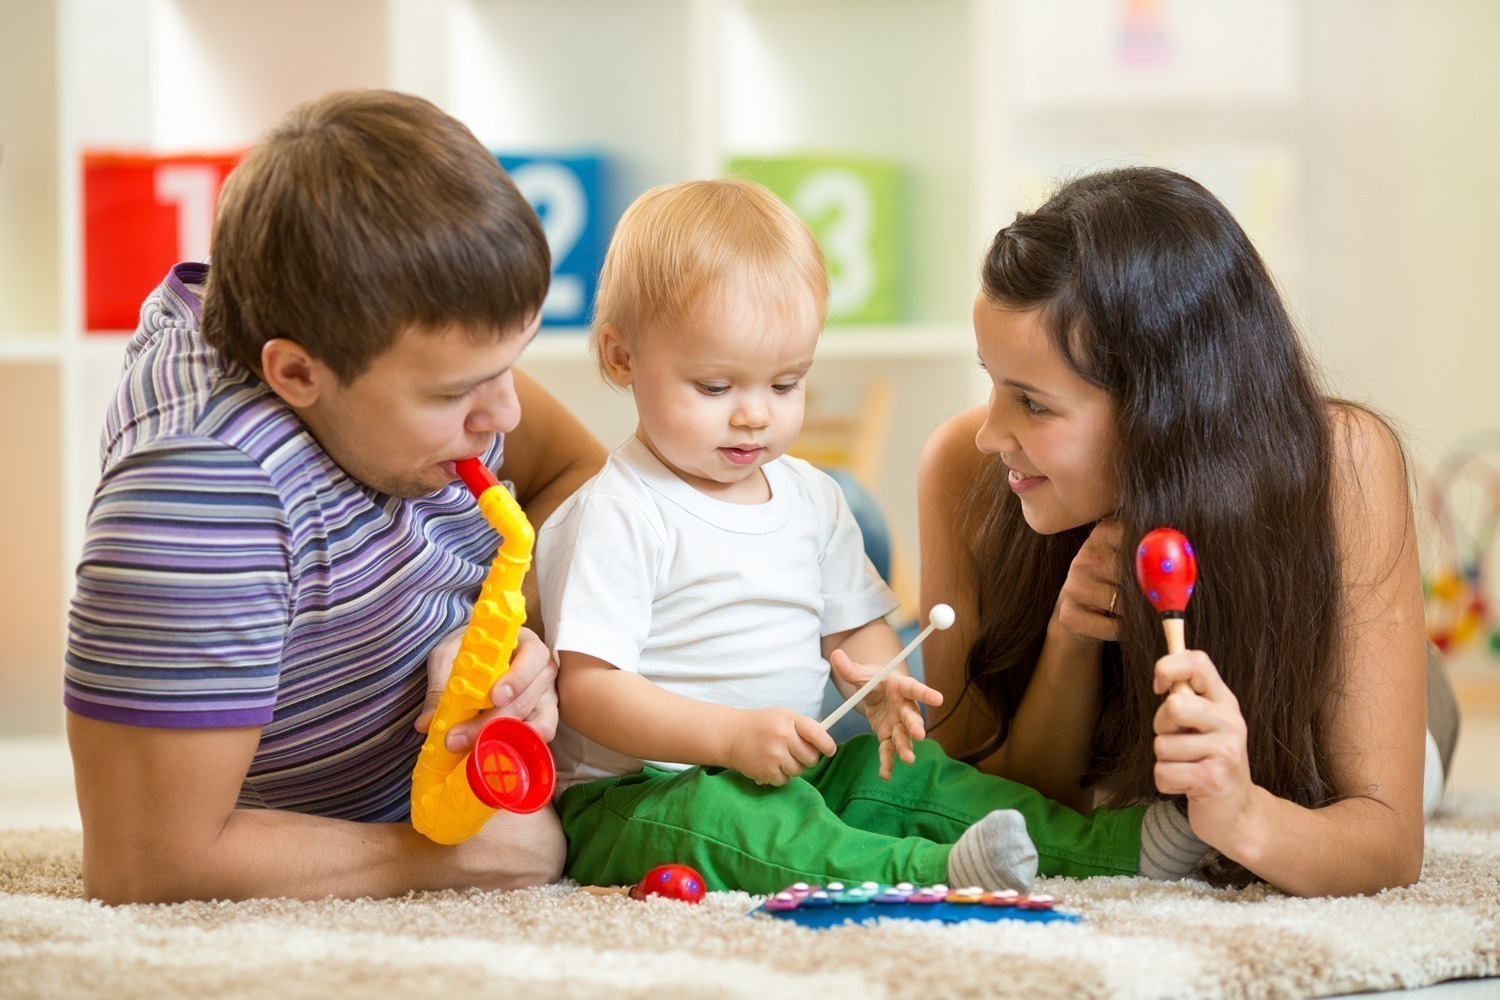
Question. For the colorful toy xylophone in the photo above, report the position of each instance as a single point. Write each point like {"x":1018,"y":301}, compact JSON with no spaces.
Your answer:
{"x":836,"y":903}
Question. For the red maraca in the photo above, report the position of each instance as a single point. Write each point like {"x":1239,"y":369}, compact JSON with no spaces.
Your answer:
{"x":1166,"y":570}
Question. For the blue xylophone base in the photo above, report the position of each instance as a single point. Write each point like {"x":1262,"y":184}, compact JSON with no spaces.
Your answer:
{"x":835,"y":904}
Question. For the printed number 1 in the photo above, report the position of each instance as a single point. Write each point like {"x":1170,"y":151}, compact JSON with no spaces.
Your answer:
{"x":842,"y":199}
{"x":192,"y":188}
{"x":559,"y":199}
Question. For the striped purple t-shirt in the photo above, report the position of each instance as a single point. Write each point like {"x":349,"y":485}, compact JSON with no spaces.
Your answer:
{"x":234,"y":575}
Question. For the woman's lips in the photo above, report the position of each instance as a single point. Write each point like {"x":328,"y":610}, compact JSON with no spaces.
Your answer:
{"x":1020,"y":482}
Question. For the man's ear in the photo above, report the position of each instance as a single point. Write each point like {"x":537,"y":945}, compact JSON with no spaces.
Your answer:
{"x":292,"y":373}
{"x":618,"y":360}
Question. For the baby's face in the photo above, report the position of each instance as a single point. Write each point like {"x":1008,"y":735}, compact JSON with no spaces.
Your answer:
{"x":723,"y":394}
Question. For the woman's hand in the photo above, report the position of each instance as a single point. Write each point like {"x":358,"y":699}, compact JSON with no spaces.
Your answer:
{"x":772,"y":746}
{"x":528,"y":691}
{"x":1086,"y":605}
{"x":1200,"y":751}
{"x":891,"y":707}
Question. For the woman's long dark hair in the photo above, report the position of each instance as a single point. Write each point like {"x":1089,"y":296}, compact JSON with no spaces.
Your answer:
{"x":1152,"y":291}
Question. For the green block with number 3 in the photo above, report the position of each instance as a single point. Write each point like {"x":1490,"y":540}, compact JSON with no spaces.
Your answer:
{"x":854,"y":206}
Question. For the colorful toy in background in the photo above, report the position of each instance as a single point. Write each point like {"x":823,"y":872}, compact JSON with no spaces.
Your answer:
{"x":671,"y":882}
{"x":1167,"y":571}
{"x":509,"y":767}
{"x":854,"y":205}
{"x":1462,"y":502}
{"x":836,"y":903}
{"x":142,"y":214}
{"x":569,"y":197}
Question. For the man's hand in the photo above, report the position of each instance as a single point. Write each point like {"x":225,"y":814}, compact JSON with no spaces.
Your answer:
{"x":528,"y":691}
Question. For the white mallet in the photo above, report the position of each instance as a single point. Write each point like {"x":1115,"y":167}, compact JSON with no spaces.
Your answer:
{"x":941,"y":616}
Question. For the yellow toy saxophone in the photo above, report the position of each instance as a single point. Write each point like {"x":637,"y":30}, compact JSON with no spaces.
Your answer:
{"x":509,"y":767}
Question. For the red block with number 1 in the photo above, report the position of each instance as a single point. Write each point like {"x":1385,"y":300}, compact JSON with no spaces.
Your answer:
{"x":142,"y":214}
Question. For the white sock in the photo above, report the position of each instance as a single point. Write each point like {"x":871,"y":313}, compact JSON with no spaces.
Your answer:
{"x":995,"y":853}
{"x":1169,"y":849}
{"x":1433,"y":779}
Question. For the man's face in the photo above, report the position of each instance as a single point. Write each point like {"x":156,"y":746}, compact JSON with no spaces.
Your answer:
{"x":432,"y":398}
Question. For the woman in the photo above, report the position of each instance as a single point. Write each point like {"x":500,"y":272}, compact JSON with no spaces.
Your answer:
{"x":1145,"y":372}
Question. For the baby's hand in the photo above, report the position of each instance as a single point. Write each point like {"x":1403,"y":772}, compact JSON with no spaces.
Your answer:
{"x":892,"y":708}
{"x":775,"y":745}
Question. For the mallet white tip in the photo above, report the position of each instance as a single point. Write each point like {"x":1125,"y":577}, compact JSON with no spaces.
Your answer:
{"x":940,"y":617}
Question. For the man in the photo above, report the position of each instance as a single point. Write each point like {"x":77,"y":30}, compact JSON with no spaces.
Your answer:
{"x":277,"y":544}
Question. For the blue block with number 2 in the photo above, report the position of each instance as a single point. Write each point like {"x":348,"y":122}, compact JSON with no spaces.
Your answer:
{"x":568,"y":195}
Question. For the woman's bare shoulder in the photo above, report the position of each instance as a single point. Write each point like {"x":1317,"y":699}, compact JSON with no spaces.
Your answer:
{"x":950,"y":460}
{"x":1367,"y":457}
{"x":1370,"y":488}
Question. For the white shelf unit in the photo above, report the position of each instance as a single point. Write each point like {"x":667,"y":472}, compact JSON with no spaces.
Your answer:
{"x":31,"y":392}
{"x":666,"y":89}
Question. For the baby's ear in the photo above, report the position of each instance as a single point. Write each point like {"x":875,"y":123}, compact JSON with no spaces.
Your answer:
{"x":616,"y":355}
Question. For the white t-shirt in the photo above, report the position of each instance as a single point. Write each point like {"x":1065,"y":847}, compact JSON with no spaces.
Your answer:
{"x":720,"y":602}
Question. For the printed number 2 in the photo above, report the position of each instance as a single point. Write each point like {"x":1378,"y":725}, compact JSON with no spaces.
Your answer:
{"x":844,"y":211}
{"x":559,"y":199}
{"x":192,"y":188}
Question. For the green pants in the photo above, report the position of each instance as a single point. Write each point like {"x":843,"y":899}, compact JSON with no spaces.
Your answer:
{"x":838,"y":822}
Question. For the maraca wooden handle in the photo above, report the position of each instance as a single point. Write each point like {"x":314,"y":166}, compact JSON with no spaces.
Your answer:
{"x":1175,"y":629}
{"x":1176,"y":634}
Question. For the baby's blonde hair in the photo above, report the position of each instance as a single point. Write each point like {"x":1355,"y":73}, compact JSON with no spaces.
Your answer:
{"x":678,"y":242}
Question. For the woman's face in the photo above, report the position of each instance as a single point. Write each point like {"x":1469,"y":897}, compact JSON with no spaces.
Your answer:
{"x":1054,"y":431}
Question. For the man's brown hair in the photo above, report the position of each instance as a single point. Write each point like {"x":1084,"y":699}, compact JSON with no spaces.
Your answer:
{"x":364,"y":213}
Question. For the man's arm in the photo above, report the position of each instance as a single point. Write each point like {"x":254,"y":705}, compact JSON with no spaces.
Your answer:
{"x":547,"y":457}
{"x":550,"y":454}
{"x":160,"y":825}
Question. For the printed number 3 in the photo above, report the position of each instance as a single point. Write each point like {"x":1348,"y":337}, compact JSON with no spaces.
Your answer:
{"x":838,"y":204}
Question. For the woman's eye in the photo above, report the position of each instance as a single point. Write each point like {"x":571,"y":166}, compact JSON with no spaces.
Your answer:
{"x":1031,"y":405}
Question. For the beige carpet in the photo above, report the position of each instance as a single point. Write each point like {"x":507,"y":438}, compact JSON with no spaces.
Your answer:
{"x":1138,"y":939}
